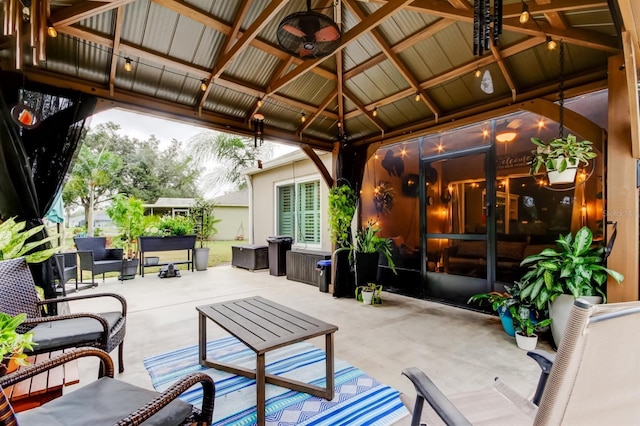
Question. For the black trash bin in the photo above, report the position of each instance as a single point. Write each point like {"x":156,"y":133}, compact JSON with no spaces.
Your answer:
{"x":278,"y":246}
{"x":324,"y":276}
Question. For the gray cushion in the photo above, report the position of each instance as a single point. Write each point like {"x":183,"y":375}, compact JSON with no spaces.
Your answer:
{"x":55,"y":334}
{"x":103,"y":402}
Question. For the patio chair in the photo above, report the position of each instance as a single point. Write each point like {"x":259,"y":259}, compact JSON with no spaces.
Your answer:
{"x":594,"y":379}
{"x":96,"y":258}
{"x":108,"y":401}
{"x":67,"y":268}
{"x":101,"y":330}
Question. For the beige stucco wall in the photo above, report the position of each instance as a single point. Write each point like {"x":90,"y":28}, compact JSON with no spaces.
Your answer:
{"x":234,"y":222}
{"x":263,"y":197}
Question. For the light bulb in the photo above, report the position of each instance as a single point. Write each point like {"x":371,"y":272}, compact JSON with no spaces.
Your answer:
{"x":551,"y":44}
{"x":417,"y":98}
{"x":524,"y":17}
{"x":127,"y":65}
{"x":478,"y":73}
{"x":375,"y":112}
{"x":53,"y":33}
{"x":259,"y":103}
{"x":303,"y":117}
{"x":203,"y":85}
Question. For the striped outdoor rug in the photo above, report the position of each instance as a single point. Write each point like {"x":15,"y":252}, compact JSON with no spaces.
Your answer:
{"x":359,"y":399}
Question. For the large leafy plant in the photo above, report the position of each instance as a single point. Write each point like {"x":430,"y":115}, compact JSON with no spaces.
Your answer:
{"x":204,"y":219}
{"x":127,"y":213}
{"x":342,"y":207}
{"x":576,"y":268}
{"x":13,"y":242}
{"x":560,"y":153}
{"x":367,"y":240}
{"x":12,"y":343}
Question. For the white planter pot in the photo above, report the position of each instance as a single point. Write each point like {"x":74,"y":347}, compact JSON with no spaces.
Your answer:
{"x":527,"y":343}
{"x":201,"y":258}
{"x":367,"y":297}
{"x":559,"y":313}
{"x":568,"y":176}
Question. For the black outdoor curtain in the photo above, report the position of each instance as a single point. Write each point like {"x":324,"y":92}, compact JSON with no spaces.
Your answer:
{"x":350,"y":170}
{"x":34,"y":162}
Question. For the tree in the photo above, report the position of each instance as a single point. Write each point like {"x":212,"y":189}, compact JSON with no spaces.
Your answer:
{"x":232,"y":152}
{"x":93,"y":180}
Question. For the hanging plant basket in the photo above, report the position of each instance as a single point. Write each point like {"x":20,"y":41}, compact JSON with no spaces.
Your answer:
{"x":567,"y":175}
{"x":561,"y":157}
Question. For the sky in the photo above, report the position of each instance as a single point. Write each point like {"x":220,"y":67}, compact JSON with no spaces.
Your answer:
{"x":142,"y":126}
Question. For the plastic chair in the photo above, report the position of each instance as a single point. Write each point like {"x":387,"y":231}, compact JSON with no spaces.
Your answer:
{"x":107,"y":401}
{"x":594,"y":379}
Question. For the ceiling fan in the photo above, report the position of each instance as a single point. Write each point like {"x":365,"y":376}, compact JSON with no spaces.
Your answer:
{"x":308,"y":34}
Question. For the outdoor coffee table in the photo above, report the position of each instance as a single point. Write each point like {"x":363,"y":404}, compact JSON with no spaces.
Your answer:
{"x":264,"y":325}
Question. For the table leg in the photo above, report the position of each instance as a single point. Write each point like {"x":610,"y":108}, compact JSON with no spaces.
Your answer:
{"x":202,"y":337}
{"x":328,"y":346}
{"x":260,"y":389}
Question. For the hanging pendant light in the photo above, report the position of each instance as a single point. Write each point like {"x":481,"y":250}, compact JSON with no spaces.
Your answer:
{"x":127,"y":65}
{"x":525,"y":15}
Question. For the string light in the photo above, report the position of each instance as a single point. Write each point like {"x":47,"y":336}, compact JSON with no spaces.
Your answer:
{"x":551,"y":43}
{"x":259,"y":102}
{"x":303,"y":118}
{"x":127,"y":65}
{"x":417,"y":98}
{"x":525,"y":15}
{"x":375,"y":112}
{"x":53,"y":33}
{"x":204,"y":85}
{"x":477,"y":73}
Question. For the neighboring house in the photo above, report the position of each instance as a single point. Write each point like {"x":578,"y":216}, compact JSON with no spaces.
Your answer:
{"x":100,"y":219}
{"x":233,"y":211}
{"x":289,"y":197}
{"x":169,"y":206}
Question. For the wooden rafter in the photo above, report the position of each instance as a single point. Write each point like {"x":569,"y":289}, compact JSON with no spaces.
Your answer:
{"x":505,"y":72}
{"x":364,"y":26}
{"x":115,"y":49}
{"x":244,"y":40}
{"x":284,"y":65}
{"x":80,"y":11}
{"x":362,"y":109}
{"x":325,"y":103}
{"x":396,"y":61}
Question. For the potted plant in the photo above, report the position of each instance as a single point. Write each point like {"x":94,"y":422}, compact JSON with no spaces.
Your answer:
{"x":526,"y":337}
{"x":204,"y":221}
{"x":342,"y":207}
{"x":12,"y":343}
{"x":500,"y":303}
{"x":557,"y":277}
{"x":369,"y":294}
{"x":561,"y":157}
{"x":127,"y":213}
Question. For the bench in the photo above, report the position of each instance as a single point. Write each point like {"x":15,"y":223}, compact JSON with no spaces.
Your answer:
{"x":149,"y":244}
{"x":44,"y":387}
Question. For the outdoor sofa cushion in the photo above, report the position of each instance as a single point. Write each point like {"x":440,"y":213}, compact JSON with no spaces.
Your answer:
{"x":69,"y":332}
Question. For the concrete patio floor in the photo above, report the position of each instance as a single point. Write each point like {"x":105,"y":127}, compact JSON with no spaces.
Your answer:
{"x":460,"y":350}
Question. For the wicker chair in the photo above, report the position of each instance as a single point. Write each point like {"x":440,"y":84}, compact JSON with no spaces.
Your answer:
{"x":101,"y":330}
{"x":67,"y":267}
{"x":108,"y":401}
{"x":96,"y":258}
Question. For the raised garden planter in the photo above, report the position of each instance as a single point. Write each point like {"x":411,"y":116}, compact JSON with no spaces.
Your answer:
{"x":155,"y":244}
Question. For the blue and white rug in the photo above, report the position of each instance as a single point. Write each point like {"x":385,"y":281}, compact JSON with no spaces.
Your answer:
{"x":359,"y":399}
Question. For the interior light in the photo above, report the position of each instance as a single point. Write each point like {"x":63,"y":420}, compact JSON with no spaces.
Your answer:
{"x":53,"y":33}
{"x":203,"y":85}
{"x":440,"y":148}
{"x":541,"y":124}
{"x":485,"y":133}
{"x":417,"y":98}
{"x":507,"y":136}
{"x":525,"y":15}
{"x":403,"y":152}
{"x":551,"y":43}
{"x":127,"y":65}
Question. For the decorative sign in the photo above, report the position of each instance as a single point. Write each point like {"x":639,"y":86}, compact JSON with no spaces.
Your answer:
{"x":512,"y":161}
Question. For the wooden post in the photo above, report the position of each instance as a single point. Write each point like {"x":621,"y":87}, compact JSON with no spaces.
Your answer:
{"x":621,"y":191}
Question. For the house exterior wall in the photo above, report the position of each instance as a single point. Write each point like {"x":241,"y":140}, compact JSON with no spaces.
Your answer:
{"x":234,"y":222}
{"x":263,"y":197}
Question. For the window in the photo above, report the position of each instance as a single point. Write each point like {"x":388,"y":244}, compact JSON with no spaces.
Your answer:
{"x":299,"y":212}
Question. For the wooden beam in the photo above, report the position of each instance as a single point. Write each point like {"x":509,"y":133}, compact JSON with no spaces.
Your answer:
{"x":320,"y":108}
{"x":621,"y":193}
{"x":505,"y":72}
{"x":116,"y":48}
{"x":318,"y":163}
{"x":631,"y":74}
{"x":361,"y":108}
{"x":72,"y":14}
{"x":371,"y":21}
{"x":630,"y":11}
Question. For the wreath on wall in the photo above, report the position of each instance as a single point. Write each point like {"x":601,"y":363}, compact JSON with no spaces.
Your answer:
{"x":383,"y":197}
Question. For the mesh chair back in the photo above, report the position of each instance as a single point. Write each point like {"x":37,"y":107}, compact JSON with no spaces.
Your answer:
{"x":595,"y":377}
{"x":95,"y":244}
{"x":17,"y":289}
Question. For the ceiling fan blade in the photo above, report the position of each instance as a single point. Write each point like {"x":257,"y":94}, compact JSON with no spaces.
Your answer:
{"x":329,"y":33}
{"x":293,"y":30}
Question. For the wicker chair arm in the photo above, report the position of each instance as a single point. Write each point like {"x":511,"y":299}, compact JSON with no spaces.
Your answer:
{"x":99,"y":318}
{"x":113,"y":253}
{"x":120,"y":298}
{"x":172,"y":393}
{"x":35,"y":369}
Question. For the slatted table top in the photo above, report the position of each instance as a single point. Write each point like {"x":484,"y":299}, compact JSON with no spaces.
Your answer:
{"x":264,"y":325}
